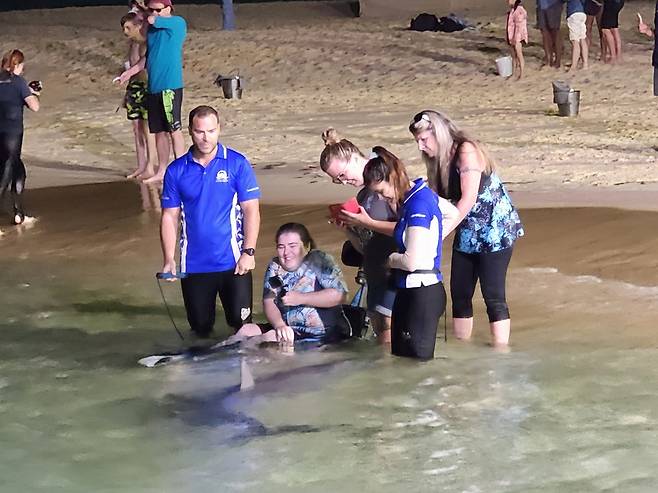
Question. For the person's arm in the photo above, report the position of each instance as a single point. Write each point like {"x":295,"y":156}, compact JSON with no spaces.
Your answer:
{"x":32,"y":102}
{"x":251,"y":226}
{"x":325,"y":298}
{"x":471,"y":166}
{"x":417,"y":240}
{"x":448,"y":213}
{"x":643,"y":28}
{"x":134,"y":70}
{"x":283,"y":331}
{"x":168,"y":236}
{"x":272,"y":312}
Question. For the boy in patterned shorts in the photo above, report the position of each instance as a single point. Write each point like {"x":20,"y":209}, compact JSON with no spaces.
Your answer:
{"x":135,"y":98}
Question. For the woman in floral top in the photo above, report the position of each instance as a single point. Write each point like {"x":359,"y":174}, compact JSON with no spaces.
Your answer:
{"x":302,"y":293}
{"x":459,"y":169}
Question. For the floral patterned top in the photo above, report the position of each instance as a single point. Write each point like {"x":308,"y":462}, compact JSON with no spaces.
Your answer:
{"x":492,"y":224}
{"x":318,"y":271}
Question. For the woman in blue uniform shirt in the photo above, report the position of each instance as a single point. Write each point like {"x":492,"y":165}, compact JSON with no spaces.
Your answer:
{"x":421,"y":297}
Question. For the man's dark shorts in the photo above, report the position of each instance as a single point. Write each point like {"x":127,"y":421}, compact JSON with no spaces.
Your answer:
{"x":549,"y":19}
{"x":164,"y":110}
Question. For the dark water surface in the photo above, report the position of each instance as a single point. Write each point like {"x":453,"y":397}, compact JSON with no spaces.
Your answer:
{"x":571,"y":408}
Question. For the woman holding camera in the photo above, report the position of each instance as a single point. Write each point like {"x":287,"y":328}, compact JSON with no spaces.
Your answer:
{"x":302,"y":293}
{"x":15,"y":93}
{"x":487,"y":224}
{"x":420,"y":298}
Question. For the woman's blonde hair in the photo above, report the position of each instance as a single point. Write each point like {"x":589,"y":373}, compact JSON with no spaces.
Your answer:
{"x":12,"y":59}
{"x":441,"y":178}
{"x":336,"y":148}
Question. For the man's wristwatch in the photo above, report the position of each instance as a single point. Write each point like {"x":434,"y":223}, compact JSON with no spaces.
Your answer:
{"x":249,"y":251}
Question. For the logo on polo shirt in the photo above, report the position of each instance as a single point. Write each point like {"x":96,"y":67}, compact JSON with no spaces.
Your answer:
{"x":221,"y":176}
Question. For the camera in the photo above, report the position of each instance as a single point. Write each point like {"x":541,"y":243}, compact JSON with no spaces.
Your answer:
{"x":277,"y":285}
{"x":360,"y":277}
{"x":36,"y":85}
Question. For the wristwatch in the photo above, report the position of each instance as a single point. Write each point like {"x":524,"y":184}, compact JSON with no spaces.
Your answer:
{"x":249,"y":251}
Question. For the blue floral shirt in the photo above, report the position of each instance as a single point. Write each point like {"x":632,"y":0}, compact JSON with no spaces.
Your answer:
{"x":318,"y":271}
{"x":493,"y":223}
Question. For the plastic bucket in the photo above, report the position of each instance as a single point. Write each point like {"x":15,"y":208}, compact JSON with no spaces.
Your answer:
{"x":231,"y":86}
{"x":504,"y":66}
{"x":572,"y":106}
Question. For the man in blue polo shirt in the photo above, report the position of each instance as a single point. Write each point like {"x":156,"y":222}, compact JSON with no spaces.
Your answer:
{"x":216,"y":190}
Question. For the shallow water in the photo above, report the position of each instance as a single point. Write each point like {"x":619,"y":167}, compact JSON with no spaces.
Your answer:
{"x":571,"y":408}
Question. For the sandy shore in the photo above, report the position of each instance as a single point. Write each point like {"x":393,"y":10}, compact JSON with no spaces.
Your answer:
{"x":314,"y":65}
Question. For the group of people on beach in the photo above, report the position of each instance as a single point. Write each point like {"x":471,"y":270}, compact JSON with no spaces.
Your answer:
{"x":210,"y":204}
{"x":399,"y":229}
{"x":580,"y":17}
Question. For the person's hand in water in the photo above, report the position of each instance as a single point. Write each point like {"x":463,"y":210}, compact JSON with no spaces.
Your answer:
{"x":170,"y":267}
{"x":285,"y":335}
{"x":362,"y":218}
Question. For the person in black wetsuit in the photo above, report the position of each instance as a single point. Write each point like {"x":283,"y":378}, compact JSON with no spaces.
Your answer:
{"x":15,"y":93}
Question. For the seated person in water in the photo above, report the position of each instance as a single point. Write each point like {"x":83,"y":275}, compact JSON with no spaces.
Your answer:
{"x":302,"y":293}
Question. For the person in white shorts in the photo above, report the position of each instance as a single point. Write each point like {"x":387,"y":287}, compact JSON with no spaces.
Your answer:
{"x":576,"y":21}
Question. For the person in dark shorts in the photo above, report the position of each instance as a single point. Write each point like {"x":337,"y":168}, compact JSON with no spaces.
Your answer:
{"x":593,"y":11}
{"x":164,"y":65}
{"x":610,"y":28}
{"x":216,"y":187}
{"x":133,"y":27}
{"x":549,"y":18}
{"x":15,"y":94}
{"x":416,"y":266}
{"x":651,"y":33}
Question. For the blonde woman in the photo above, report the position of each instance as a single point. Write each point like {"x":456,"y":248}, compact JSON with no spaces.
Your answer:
{"x":370,"y":231}
{"x":487,"y":224}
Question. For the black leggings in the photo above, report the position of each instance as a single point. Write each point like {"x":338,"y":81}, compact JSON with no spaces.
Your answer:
{"x":12,"y":169}
{"x":414,"y":320}
{"x":491,"y":269}
{"x":200,"y":295}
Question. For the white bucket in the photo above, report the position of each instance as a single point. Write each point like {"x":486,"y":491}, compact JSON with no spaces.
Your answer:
{"x":504,"y":66}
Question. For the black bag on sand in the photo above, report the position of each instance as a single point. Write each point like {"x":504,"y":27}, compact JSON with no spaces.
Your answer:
{"x":424,"y":22}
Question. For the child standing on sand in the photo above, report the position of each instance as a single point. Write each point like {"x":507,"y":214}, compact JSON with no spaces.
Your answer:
{"x":517,"y":32}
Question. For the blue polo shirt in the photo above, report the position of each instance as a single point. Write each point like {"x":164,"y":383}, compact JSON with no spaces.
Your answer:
{"x":211,"y":227}
{"x":164,"y":54}
{"x":420,"y":208}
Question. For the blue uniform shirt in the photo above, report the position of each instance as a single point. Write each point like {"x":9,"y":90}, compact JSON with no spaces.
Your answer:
{"x":420,"y":208}
{"x":164,"y":55}
{"x":211,"y":230}
{"x":13,"y":91}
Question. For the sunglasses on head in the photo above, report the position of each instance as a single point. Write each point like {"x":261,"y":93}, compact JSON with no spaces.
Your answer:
{"x":421,"y":117}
